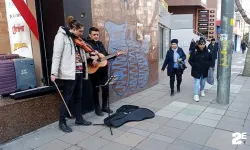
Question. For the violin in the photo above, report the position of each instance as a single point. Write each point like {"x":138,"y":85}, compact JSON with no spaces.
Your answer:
{"x":79,"y":42}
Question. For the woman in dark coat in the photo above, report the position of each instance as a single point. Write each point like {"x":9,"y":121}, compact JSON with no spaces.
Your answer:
{"x":174,"y":57}
{"x":200,"y":60}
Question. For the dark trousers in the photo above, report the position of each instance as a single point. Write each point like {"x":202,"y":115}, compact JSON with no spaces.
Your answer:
{"x":178,"y":74}
{"x":243,"y":51}
{"x":213,"y":63}
{"x":72,"y":88}
{"x":97,"y":79}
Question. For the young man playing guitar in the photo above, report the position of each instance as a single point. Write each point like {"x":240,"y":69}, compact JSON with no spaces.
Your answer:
{"x":99,"y":77}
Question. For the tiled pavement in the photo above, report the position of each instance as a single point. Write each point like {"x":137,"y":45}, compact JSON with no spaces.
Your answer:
{"x":179,"y":124}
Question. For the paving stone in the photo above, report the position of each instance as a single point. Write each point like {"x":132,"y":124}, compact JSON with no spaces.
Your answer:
{"x":161,"y":103}
{"x":183,"y":145}
{"x":243,"y":147}
{"x":218,"y":106}
{"x":150,"y":144}
{"x":207,"y":148}
{"x":93,"y":143}
{"x":139,"y":132}
{"x":74,"y":148}
{"x":239,"y":109}
{"x":169,"y":131}
{"x":90,"y":129}
{"x":206,"y":122}
{"x":195,"y":137}
{"x":162,"y":138}
{"x":215,"y":111}
{"x":229,"y":126}
{"x":236,"y":114}
{"x":15,"y":145}
{"x":115,"y":146}
{"x":54,"y":145}
{"x":246,"y":129}
{"x":196,"y":128}
{"x":41,"y":137}
{"x":130,"y":139}
{"x":178,"y":124}
{"x":105,"y":134}
{"x":224,"y":138}
{"x":211,"y":116}
{"x":164,"y":113}
{"x":191,"y":112}
{"x":201,"y":103}
{"x":247,"y":123}
{"x":179,"y":104}
{"x":158,"y":120}
{"x":173,"y":108}
{"x":147,"y":126}
{"x":196,"y":107}
{"x":231,"y":120}
{"x":184,"y":117}
{"x":74,"y":137}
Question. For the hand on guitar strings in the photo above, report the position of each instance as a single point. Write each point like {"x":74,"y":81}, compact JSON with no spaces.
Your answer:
{"x":94,"y":63}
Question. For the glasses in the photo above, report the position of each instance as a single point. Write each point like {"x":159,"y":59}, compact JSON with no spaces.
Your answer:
{"x":201,"y":44}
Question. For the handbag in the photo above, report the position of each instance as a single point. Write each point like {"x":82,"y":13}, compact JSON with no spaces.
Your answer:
{"x":210,"y":77}
{"x":182,"y":65}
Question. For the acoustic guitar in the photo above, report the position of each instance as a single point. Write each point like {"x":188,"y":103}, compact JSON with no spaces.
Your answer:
{"x":102,"y":61}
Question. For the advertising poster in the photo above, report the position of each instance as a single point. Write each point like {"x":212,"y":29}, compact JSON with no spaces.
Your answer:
{"x":19,"y":31}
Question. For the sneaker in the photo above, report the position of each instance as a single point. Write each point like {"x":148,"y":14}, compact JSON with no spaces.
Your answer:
{"x":196,"y":98}
{"x":203,"y":93}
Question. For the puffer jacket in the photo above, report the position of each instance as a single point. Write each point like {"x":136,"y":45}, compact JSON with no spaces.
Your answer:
{"x":64,"y":59}
{"x":200,"y":62}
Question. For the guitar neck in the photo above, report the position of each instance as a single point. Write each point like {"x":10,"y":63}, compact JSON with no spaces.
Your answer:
{"x":108,"y":57}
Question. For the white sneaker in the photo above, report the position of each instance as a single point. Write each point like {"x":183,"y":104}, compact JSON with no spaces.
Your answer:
{"x":203,"y":93}
{"x":196,"y":98}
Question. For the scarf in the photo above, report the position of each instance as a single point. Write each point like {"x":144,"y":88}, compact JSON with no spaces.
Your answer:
{"x":175,"y":54}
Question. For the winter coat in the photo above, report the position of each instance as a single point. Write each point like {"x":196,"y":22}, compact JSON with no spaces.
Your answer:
{"x":200,"y":62}
{"x":64,"y":59}
{"x":169,"y":60}
{"x":214,"y":50}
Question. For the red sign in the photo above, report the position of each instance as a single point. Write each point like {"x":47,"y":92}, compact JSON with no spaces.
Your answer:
{"x":17,"y":28}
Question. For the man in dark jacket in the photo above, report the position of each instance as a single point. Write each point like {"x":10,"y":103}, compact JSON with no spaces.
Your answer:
{"x":174,"y":57}
{"x":100,"y":77}
{"x":200,"y":60}
{"x":243,"y":47}
{"x":213,"y":47}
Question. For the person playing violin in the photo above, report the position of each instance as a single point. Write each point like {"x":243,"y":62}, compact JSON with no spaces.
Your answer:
{"x":100,"y":77}
{"x":68,"y":65}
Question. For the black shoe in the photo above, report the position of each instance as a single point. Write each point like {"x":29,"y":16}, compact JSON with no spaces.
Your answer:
{"x":99,"y":112}
{"x":83,"y":122}
{"x":172,"y":94}
{"x":64,"y":127}
{"x":178,"y":90}
{"x":107,"y":110}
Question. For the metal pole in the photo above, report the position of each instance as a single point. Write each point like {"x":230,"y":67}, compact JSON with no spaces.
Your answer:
{"x":227,"y":23}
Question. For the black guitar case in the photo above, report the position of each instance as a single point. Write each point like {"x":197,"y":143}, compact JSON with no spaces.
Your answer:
{"x":128,"y":113}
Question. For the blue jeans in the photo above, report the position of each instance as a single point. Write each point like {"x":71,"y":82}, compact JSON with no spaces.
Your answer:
{"x":199,"y":83}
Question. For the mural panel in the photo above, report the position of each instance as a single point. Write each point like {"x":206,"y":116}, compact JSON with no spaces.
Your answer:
{"x":118,"y":23}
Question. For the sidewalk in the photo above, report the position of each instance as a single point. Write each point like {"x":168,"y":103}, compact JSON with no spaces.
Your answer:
{"x":179,"y":124}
